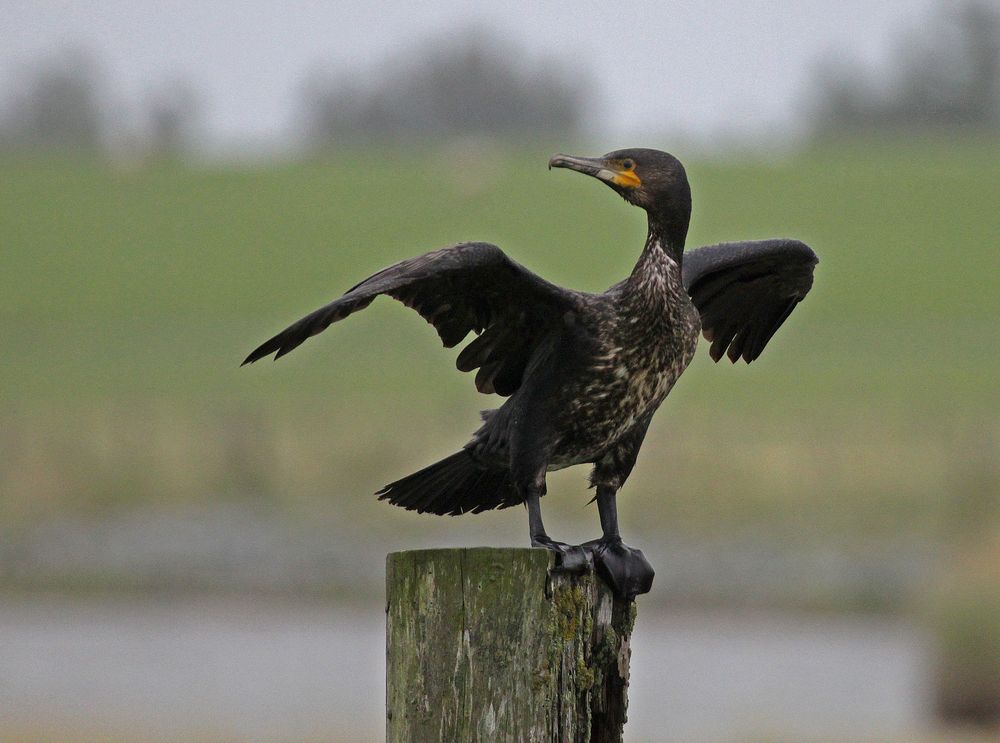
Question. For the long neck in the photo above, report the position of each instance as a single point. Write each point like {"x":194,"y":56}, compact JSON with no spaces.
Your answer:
{"x":669,"y":231}
{"x":664,"y":245}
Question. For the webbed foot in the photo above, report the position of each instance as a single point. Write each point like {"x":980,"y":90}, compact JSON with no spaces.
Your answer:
{"x":625,"y":568}
{"x":570,"y":558}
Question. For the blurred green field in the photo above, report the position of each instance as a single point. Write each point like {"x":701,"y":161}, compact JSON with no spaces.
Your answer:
{"x":129,"y":294}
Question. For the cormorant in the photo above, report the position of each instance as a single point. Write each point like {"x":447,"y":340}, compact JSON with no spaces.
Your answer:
{"x":583,"y":372}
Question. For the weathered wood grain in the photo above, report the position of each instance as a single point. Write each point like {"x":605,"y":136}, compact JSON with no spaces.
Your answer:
{"x":489,"y":644}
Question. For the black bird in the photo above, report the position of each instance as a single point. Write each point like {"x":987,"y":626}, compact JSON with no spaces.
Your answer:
{"x":583,"y":372}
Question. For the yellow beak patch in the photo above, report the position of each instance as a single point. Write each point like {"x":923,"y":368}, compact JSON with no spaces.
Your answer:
{"x":626,"y":178}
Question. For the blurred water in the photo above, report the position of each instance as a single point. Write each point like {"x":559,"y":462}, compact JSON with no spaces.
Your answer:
{"x":226,"y":547}
{"x":252,"y":670}
{"x":726,"y":677}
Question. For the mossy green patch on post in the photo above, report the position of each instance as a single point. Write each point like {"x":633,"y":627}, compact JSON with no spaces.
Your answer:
{"x":491,"y":644}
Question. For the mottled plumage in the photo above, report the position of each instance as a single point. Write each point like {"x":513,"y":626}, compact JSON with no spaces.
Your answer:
{"x":583,"y":372}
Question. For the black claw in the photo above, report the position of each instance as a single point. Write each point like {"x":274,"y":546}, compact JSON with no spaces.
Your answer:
{"x":569,"y":558}
{"x":625,"y":568}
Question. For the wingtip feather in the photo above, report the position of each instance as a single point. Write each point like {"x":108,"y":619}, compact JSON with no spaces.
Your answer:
{"x":256,"y":355}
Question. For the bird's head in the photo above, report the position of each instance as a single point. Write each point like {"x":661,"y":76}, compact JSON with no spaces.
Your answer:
{"x":650,"y":179}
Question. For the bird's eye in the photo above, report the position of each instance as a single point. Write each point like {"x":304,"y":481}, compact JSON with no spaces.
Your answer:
{"x":628,"y":164}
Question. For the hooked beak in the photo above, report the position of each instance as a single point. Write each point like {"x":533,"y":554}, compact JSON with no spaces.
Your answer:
{"x":598,"y":167}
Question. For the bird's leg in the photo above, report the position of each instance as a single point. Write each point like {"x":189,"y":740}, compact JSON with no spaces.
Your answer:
{"x":607,"y":508}
{"x":536,"y":528}
{"x":625,"y":568}
{"x":569,"y":558}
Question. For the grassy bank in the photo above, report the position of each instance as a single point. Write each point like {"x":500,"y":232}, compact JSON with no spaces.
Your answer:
{"x":129,"y":295}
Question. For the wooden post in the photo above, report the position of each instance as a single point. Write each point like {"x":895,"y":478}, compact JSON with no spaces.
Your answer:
{"x":491,"y":645}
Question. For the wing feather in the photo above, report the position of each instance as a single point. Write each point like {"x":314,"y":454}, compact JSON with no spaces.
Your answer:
{"x":467,"y":288}
{"x":745,"y":291}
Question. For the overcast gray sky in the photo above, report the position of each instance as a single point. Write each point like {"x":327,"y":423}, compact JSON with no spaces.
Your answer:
{"x":697,"y":68}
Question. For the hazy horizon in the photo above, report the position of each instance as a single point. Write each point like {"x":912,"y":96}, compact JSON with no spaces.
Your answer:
{"x":657,"y":68}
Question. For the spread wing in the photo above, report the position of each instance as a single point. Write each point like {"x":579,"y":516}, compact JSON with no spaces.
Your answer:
{"x":469,"y":287}
{"x":744,"y":291}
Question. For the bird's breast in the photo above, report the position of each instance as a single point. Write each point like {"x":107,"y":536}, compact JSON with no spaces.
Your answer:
{"x":638,"y":358}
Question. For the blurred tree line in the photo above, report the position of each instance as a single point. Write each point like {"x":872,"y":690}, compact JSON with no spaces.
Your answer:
{"x":63,"y":103}
{"x":56,"y":104}
{"x":473,"y":85}
{"x":944,"y":74}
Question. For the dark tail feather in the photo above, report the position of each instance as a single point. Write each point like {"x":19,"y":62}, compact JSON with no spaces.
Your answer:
{"x":455,"y":485}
